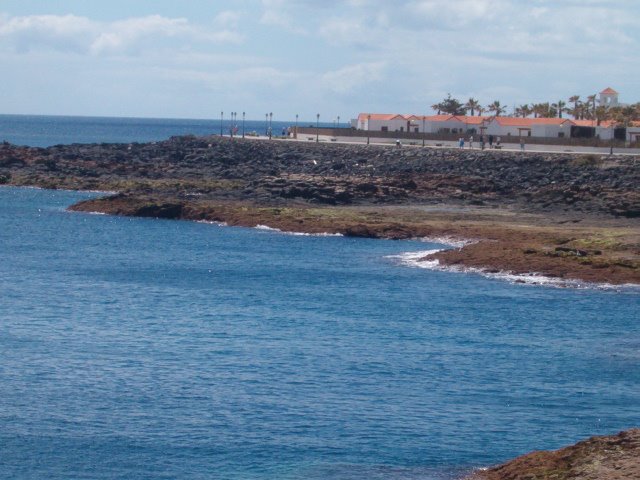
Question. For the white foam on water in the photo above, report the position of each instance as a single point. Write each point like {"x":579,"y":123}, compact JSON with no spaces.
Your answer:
{"x":296,"y":234}
{"x":209,"y":222}
{"x":455,"y":242}
{"x":418,"y":260}
{"x":264,"y":227}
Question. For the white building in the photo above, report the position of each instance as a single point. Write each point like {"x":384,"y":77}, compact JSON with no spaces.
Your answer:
{"x":609,"y":98}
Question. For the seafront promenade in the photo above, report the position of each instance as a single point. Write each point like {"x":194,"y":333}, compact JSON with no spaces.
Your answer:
{"x":509,"y":144}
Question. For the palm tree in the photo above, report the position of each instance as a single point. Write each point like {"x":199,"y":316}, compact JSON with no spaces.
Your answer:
{"x":496,"y":108}
{"x":559,"y":108}
{"x":542,"y":110}
{"x":591,"y":102}
{"x":473,"y":105}
{"x":601,"y":113}
{"x":523,"y":111}
{"x":575,"y":99}
{"x":577,"y":111}
{"x":623,"y":116}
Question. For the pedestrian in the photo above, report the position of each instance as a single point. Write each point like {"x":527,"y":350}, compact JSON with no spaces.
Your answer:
{"x":471,"y":141}
{"x":498,"y":142}
{"x":461,"y":142}
{"x":521,"y":144}
{"x":482,"y":142}
{"x":490,"y":141}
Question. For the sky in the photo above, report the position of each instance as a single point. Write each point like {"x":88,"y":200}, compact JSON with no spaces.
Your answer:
{"x":197,"y":58}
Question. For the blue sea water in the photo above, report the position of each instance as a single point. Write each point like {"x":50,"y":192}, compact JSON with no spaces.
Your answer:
{"x":45,"y":131}
{"x":139,"y":348}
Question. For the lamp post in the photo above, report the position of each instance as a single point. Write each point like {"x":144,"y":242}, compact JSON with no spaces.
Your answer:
{"x":242,"y":124}
{"x":221,"y":118}
{"x":295,"y":130}
{"x":368,"y":122}
{"x":424,"y":133}
{"x":235,"y":123}
{"x":613,"y":134}
{"x":338,"y":121}
{"x":266,"y":124}
{"x":231,"y":127}
{"x":317,"y":127}
{"x":270,"y":125}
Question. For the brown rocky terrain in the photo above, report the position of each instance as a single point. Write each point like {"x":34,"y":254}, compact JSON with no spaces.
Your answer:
{"x":614,"y":457}
{"x":561,"y":215}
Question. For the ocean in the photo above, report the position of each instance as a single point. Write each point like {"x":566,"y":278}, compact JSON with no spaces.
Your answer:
{"x":45,"y":131}
{"x":141,"y":348}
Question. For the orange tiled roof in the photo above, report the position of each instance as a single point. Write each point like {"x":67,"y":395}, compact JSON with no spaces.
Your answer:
{"x":469,"y":120}
{"x":593,"y":123}
{"x":378,"y":116}
{"x":528,"y":122}
{"x":609,"y":91}
{"x":585,"y":123}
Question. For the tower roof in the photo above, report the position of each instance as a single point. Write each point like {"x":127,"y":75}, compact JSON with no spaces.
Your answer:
{"x":609,"y":91}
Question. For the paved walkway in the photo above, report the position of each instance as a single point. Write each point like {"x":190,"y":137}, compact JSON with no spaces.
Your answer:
{"x":509,"y":147}
{"x":513,"y":147}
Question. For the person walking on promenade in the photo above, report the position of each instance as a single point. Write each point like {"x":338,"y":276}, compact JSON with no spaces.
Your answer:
{"x":482,"y":142}
{"x":521,"y":144}
{"x":461,"y":142}
{"x":471,"y":141}
{"x":490,"y":142}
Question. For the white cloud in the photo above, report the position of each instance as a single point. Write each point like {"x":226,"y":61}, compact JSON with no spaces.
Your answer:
{"x":81,"y":35}
{"x":353,"y":77}
{"x":277,"y":13}
{"x":65,"y":32}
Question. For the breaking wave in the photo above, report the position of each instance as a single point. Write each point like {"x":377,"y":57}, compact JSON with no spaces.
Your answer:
{"x":418,"y":259}
{"x":296,"y":234}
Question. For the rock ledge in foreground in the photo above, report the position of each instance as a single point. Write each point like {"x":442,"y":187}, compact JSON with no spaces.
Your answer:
{"x":613,"y":457}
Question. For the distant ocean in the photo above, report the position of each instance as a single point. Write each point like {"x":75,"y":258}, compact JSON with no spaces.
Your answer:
{"x":44,"y":131}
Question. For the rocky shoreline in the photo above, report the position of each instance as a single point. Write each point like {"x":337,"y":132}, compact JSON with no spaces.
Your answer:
{"x":560,"y":215}
{"x":612,"y":457}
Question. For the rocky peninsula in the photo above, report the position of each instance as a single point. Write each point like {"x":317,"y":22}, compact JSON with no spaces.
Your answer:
{"x":613,"y":457}
{"x":566,"y":216}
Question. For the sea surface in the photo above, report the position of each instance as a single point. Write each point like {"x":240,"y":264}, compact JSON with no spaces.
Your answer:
{"x":45,"y":131}
{"x":144,"y":349}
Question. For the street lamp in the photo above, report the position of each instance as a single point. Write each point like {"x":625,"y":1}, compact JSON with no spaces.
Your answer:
{"x":270,"y":126}
{"x":231,"y":128}
{"x":613,"y":134}
{"x":424,"y":133}
{"x":266,"y":124}
{"x":221,"y":118}
{"x":295,"y":131}
{"x":235,"y":122}
{"x":242,"y":124}
{"x":317,"y":127}
{"x":368,"y":122}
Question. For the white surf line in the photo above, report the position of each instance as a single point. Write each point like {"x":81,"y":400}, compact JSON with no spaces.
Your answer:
{"x":266,"y":228}
{"x":418,"y":259}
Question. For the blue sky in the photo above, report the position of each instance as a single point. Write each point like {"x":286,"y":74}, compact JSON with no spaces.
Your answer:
{"x":195,"y":58}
